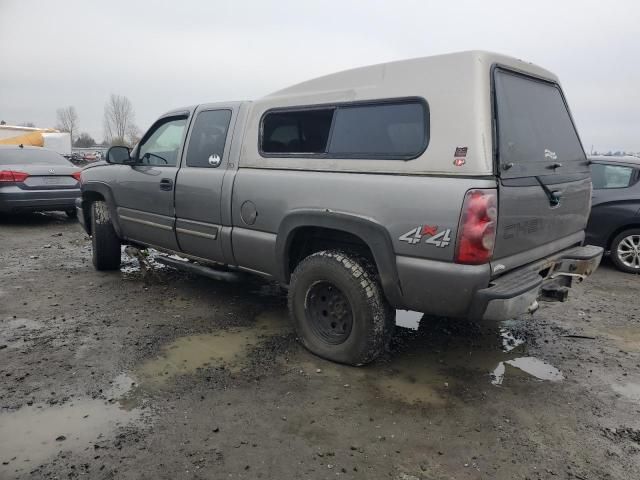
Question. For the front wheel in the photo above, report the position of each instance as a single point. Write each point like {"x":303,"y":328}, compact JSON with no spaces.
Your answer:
{"x":338,"y":308}
{"x":104,"y":240}
{"x":625,"y":251}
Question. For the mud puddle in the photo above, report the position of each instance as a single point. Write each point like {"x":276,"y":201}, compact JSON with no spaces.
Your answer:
{"x":431,"y":362}
{"x":227,"y":348}
{"x":32,"y":434}
{"x":425,"y":366}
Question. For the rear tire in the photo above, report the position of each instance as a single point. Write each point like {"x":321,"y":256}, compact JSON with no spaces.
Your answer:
{"x":625,"y":251}
{"x":105,"y":242}
{"x":338,"y":308}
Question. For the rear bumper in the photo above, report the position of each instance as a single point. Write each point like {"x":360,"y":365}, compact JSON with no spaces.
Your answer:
{"x":38,"y":200}
{"x":548,"y":280}
{"x":468,"y":291}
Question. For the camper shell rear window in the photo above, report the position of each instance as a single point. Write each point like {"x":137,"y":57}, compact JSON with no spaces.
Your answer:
{"x":385,"y":129}
{"x":535,"y":133}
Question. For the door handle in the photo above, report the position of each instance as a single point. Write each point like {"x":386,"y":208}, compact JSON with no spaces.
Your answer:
{"x":166,"y":184}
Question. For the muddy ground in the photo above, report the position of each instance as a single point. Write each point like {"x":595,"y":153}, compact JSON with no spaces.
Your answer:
{"x":170,"y":376}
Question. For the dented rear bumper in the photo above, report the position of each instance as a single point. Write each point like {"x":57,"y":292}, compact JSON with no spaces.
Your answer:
{"x":550,"y":279}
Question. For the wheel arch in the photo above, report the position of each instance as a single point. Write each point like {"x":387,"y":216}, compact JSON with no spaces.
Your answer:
{"x":366,"y":230}
{"x":96,"y":191}
{"x":619,"y":230}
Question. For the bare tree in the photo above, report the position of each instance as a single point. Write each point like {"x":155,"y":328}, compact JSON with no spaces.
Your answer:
{"x":119,"y":120}
{"x":67,"y":120}
{"x":133,"y":135}
{"x":84,"y":140}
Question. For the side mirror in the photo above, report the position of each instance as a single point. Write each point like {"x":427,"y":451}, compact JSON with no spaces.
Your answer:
{"x":118,"y":154}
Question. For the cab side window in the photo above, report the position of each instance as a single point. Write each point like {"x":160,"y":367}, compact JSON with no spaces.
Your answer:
{"x":611,"y":176}
{"x":161,"y":145}
{"x":208,"y":137}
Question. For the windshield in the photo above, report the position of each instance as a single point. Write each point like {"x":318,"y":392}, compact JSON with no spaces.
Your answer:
{"x":536,"y":136}
{"x":31,"y":156}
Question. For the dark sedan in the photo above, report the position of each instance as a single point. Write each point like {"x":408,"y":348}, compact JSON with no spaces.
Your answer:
{"x":614,"y":223}
{"x":37,"y":179}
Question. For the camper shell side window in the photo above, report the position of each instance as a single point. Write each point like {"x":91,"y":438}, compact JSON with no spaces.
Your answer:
{"x":393,"y":129}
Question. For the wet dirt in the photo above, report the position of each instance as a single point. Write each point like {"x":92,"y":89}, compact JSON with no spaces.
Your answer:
{"x":33,"y":434}
{"x":185,"y":377}
{"x":224,"y":349}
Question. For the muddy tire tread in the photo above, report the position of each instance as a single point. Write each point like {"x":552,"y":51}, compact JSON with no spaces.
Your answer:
{"x":104,"y":240}
{"x":361,"y":271}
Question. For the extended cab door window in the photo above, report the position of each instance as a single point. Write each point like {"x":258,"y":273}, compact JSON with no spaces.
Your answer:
{"x":161,"y":145}
{"x":208,"y":137}
{"x":199,"y":197}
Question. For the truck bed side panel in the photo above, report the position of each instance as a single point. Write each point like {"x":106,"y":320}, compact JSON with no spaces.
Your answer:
{"x":421,"y":213}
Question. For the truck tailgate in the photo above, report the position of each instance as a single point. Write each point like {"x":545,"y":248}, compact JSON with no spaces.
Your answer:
{"x":544,"y":195}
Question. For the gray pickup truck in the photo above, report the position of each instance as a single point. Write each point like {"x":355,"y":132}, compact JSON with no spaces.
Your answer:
{"x":453,"y":185}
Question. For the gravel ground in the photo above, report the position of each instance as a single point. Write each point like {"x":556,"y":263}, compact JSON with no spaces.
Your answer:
{"x":165,"y":375}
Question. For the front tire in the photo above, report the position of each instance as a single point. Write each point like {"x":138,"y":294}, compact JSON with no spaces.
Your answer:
{"x":338,"y":308}
{"x":625,"y":251}
{"x":105,"y":242}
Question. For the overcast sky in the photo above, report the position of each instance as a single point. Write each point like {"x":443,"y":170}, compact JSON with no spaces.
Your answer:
{"x":165,"y":54}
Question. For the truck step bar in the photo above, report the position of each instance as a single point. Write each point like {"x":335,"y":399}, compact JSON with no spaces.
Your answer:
{"x":191,"y":267}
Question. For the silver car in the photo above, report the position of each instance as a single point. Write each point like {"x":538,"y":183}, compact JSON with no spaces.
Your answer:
{"x":37,"y":179}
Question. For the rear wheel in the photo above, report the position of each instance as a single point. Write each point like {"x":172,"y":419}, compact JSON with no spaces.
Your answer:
{"x":105,"y":242}
{"x":338,"y":308}
{"x":625,"y":251}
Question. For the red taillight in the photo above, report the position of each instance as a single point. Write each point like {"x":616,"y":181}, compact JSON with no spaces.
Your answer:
{"x":477,"y":229}
{"x":12,"y":176}
{"x":76,"y":175}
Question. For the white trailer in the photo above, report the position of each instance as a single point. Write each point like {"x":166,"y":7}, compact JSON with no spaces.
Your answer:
{"x":39,"y":137}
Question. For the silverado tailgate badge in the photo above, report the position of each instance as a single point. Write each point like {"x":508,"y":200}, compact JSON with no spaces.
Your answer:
{"x":430,"y":232}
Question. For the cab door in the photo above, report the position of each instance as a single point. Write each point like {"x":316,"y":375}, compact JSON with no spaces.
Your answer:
{"x":199,"y":182}
{"x":145,"y":189}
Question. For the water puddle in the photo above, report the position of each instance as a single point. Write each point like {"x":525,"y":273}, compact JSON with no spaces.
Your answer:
{"x":442,"y":357}
{"x":530,"y":365}
{"x":31,"y":435}
{"x":426,"y":365}
{"x":226,"y":348}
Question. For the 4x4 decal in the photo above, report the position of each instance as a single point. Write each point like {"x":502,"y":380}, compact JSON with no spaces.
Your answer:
{"x":430,"y":232}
